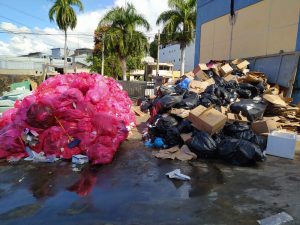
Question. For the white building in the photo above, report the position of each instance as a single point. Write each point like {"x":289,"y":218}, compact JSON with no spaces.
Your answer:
{"x":172,"y":53}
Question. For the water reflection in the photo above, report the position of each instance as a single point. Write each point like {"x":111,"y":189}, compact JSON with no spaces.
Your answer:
{"x":86,"y":182}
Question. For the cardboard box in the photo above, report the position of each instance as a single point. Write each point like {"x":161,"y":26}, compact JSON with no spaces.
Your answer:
{"x":245,"y":71}
{"x":282,"y":144}
{"x":207,"y":119}
{"x":226,"y":69}
{"x":264,"y":127}
{"x":201,"y":66}
{"x":243,"y":64}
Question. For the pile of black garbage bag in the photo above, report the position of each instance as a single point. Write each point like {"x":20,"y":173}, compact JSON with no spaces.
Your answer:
{"x":236,"y":143}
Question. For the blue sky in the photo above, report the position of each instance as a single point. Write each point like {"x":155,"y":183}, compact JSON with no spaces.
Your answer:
{"x":32,"y":16}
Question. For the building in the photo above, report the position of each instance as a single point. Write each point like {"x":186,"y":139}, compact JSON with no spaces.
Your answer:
{"x":172,"y":53}
{"x":264,"y":31}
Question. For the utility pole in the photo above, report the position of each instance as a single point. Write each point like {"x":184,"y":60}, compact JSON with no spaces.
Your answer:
{"x":102,"y":61}
{"x":158,"y":44}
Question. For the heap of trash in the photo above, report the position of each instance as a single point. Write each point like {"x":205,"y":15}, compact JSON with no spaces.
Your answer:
{"x":219,"y":110}
{"x":68,"y":115}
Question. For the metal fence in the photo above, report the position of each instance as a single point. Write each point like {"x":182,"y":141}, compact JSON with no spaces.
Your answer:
{"x":138,"y":89}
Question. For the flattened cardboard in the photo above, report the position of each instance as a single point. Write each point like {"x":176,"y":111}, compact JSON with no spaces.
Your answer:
{"x":226,"y":69}
{"x":264,"y":127}
{"x":200,"y":86}
{"x":230,"y":77}
{"x":207,"y":119}
{"x":232,"y":117}
{"x":275,"y":99}
{"x":186,"y":137}
{"x":182,"y":113}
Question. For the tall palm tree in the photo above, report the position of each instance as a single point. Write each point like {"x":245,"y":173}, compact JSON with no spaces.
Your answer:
{"x":122,"y":37}
{"x":65,"y":16}
{"x":179,"y":24}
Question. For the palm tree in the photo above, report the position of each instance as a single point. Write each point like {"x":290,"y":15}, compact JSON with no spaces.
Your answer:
{"x":179,"y":24}
{"x":122,"y":37}
{"x":63,"y":13}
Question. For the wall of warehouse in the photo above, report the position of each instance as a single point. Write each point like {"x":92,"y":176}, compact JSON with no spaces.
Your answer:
{"x":261,"y":28}
{"x":172,"y":54}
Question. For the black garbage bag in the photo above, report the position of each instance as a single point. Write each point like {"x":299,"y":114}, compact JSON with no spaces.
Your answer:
{"x":252,"y":109}
{"x":141,"y":100}
{"x":207,"y":100}
{"x":185,"y":126}
{"x":171,"y":137}
{"x":165,"y":122}
{"x":145,"y":105}
{"x":242,"y":131}
{"x":166,"y":90}
{"x":235,"y":127}
{"x":219,"y":80}
{"x":243,"y":93}
{"x":189,"y":101}
{"x":261,"y":87}
{"x":233,"y":95}
{"x":254,"y":91}
{"x":211,"y":89}
{"x":168,"y":101}
{"x":203,"y":145}
{"x":232,"y":84}
{"x":240,"y":152}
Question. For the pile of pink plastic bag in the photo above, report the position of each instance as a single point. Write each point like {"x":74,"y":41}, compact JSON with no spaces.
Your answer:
{"x":88,"y":108}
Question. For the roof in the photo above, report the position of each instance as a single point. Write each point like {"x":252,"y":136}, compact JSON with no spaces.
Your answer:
{"x":161,"y":64}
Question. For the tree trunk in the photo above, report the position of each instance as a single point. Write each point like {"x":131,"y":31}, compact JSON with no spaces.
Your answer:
{"x":124,"y":68}
{"x":65,"y":53}
{"x":182,"y":60}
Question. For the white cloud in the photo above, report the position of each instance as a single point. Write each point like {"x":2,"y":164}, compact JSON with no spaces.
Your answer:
{"x":86,"y":24}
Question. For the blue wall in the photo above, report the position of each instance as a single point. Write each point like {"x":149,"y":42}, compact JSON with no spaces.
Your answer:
{"x":296,"y":91}
{"x":208,"y":10}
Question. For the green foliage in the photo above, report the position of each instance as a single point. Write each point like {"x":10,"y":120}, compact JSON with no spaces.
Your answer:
{"x":63,"y":13}
{"x":121,"y":36}
{"x":112,"y":66}
{"x":179,"y":22}
{"x":153,"y":49}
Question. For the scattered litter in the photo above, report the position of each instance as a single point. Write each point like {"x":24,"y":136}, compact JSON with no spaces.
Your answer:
{"x":182,"y":154}
{"x":176,"y":174}
{"x":39,"y":157}
{"x":277,"y":219}
{"x":20,"y":180}
{"x":80,"y":159}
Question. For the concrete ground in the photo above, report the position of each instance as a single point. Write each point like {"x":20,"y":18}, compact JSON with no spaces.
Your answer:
{"x":134,"y":190}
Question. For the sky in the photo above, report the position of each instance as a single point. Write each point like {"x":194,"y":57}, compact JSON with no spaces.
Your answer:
{"x":31,"y":16}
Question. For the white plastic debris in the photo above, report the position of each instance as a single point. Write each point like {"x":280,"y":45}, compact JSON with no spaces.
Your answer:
{"x":39,"y":157}
{"x":277,"y":219}
{"x":80,"y":159}
{"x":176,"y":174}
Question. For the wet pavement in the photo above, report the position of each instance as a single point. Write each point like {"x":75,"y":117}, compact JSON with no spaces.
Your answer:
{"x":134,"y":190}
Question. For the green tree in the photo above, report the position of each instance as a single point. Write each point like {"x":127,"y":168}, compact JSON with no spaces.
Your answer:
{"x":122,"y":37}
{"x":64,"y":15}
{"x":153,"y":49}
{"x":179,"y":24}
{"x":112,"y":65}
